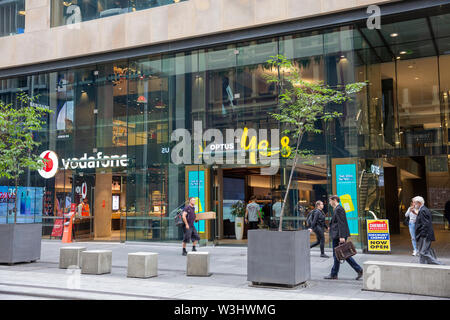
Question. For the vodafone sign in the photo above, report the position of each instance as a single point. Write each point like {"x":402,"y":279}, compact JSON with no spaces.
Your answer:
{"x":50,"y":166}
{"x":84,"y":190}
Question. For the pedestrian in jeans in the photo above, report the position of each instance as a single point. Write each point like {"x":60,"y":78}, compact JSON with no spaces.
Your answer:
{"x":189,"y":231}
{"x":339,"y":232}
{"x":412,"y":214}
{"x":424,"y":232}
{"x":252,"y":214}
{"x":318,"y":226}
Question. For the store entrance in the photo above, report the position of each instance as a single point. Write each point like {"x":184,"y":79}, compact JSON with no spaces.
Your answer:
{"x":408,"y":177}
{"x":100,"y":201}
{"x":233,"y":185}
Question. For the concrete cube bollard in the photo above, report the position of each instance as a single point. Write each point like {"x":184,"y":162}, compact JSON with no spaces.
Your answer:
{"x":142,"y":265}
{"x":96,"y":261}
{"x":70,"y":256}
{"x":198,"y":264}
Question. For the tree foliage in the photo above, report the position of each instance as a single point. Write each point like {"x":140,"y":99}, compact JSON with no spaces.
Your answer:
{"x":18,"y":123}
{"x":303,"y":104}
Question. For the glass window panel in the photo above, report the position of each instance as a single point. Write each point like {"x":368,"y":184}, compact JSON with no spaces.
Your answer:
{"x":73,"y":11}
{"x":12,"y":17}
{"x":419,"y":103}
{"x":406,"y":31}
{"x":441,"y":25}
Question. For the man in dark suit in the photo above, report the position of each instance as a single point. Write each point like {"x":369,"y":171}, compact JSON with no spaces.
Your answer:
{"x":339,"y":232}
{"x":424,"y":232}
{"x":318,"y":226}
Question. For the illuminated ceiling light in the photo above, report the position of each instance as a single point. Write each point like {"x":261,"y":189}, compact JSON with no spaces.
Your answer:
{"x":403,"y":52}
{"x":393,"y":35}
{"x":398,"y":58}
{"x":141,"y":99}
{"x":176,"y":1}
{"x":22,"y":12}
{"x":67,"y":3}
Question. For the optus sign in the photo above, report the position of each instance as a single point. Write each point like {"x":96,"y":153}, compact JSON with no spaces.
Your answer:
{"x":50,"y":164}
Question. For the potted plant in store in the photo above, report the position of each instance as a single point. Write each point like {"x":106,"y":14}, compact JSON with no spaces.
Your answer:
{"x":20,"y":242}
{"x":283,"y":257}
{"x":238,"y":211}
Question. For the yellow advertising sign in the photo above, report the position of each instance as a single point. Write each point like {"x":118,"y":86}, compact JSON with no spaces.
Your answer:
{"x":347,"y":203}
{"x":378,"y":238}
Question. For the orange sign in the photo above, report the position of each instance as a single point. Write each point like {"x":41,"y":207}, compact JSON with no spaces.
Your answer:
{"x":68,"y":224}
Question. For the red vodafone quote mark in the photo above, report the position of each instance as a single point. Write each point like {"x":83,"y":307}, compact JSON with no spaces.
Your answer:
{"x":48,"y":163}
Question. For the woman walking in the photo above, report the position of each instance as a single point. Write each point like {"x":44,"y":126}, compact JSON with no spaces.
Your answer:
{"x":412,"y":214}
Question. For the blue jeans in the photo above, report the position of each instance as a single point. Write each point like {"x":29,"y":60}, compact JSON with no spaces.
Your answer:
{"x":337,"y":264}
{"x":412,"y":232}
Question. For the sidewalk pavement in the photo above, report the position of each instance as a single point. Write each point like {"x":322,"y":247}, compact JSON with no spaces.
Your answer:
{"x":43,"y":279}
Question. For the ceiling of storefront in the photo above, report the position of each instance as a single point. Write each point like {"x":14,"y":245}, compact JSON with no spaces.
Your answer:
{"x":410,"y":39}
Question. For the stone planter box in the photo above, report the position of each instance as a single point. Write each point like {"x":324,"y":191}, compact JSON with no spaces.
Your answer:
{"x":278,"y":258}
{"x":20,"y":242}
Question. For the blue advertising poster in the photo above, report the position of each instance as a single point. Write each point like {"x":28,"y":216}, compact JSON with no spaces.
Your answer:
{"x":197,"y":190}
{"x":346,"y":189}
{"x":29,"y":204}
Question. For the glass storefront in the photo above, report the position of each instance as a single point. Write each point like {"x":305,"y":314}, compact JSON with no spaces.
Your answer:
{"x":12,"y":17}
{"x":117,"y":128}
{"x":75,"y":11}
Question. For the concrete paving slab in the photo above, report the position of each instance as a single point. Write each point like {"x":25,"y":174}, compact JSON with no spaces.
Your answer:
{"x":228,"y":280}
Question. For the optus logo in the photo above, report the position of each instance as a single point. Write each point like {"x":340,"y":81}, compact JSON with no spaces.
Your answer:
{"x":50,"y":164}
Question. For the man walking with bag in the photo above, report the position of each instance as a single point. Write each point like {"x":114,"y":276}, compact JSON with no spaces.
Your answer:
{"x":424,"y":232}
{"x":189,"y":231}
{"x":318,"y":226}
{"x":339,"y":232}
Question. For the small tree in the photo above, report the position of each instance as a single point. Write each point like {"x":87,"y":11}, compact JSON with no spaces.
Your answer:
{"x":301,"y":105}
{"x":17,"y":124}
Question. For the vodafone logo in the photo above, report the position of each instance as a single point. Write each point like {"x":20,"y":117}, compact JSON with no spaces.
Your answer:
{"x":84,"y":190}
{"x":50,"y":166}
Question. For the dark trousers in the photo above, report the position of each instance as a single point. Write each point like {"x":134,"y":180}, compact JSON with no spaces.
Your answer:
{"x":252,"y":225}
{"x":337,"y":264}
{"x":320,"y":239}
{"x":426,"y":253}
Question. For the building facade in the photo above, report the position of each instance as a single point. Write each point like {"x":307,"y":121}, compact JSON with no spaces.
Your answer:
{"x":130,"y":81}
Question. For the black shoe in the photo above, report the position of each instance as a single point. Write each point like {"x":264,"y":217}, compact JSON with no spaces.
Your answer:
{"x":330,"y":277}
{"x":360,"y":274}
{"x":184,"y":252}
{"x":323,"y":255}
{"x":193,"y":249}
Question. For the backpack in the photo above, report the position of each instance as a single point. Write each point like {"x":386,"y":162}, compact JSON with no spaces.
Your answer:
{"x":309,"y":219}
{"x":179,"y":218}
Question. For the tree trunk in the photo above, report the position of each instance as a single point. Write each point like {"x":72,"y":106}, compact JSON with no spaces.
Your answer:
{"x":15,"y":200}
{"x":280,"y":227}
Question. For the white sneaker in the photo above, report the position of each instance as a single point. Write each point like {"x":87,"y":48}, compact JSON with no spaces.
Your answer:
{"x":414,"y":253}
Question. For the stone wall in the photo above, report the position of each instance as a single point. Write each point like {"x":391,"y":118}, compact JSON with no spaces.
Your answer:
{"x":193,"y":18}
